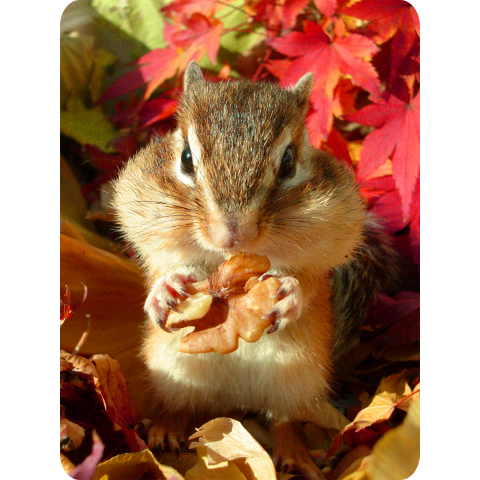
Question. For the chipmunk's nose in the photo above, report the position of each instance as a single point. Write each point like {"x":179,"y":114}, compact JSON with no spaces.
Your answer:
{"x":231,"y":231}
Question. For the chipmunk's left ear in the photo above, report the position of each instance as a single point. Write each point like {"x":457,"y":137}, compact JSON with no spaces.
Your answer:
{"x":304,"y":86}
{"x":192,"y":75}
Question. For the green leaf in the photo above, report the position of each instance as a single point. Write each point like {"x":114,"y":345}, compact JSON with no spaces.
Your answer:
{"x":140,"y":19}
{"x":87,"y":126}
{"x":234,"y":43}
{"x":239,"y":42}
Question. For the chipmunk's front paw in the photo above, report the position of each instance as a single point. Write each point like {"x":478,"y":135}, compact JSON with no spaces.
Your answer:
{"x":167,"y":292}
{"x":289,"y":305}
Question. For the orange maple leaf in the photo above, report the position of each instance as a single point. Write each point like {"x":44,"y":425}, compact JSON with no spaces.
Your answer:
{"x":201,"y":36}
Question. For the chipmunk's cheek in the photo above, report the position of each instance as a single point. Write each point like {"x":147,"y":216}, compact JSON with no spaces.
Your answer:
{"x":289,"y":305}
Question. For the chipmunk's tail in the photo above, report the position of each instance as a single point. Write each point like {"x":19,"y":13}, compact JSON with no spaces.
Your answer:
{"x":376,"y":268}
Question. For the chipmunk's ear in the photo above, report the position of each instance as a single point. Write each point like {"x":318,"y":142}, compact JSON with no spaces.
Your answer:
{"x":304,"y":86}
{"x":192,"y":75}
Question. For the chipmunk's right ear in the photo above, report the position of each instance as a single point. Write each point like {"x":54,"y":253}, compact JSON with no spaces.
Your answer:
{"x":192,"y":75}
{"x":304,"y":86}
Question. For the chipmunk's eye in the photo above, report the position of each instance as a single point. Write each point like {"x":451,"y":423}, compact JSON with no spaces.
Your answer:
{"x":287,"y":166}
{"x":187,"y":161}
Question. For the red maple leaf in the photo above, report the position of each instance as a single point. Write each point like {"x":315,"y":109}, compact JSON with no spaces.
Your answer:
{"x":397,"y":136}
{"x":276,"y":15}
{"x":201,"y":35}
{"x":389,"y":18}
{"x":151,"y":111}
{"x":386,"y":17}
{"x":329,"y":60}
{"x":327,"y":7}
{"x":207,"y":7}
{"x":384,"y":202}
{"x":414,"y":234}
{"x":398,"y":319}
{"x":154,"y":68}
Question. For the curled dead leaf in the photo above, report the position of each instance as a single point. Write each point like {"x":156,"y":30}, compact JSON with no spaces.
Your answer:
{"x":390,"y":392}
{"x":227,"y":306}
{"x":112,"y":389}
{"x":135,"y":465}
{"x":397,"y":454}
{"x":227,"y":450}
{"x":99,"y":379}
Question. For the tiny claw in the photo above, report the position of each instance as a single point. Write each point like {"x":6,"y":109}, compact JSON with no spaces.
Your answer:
{"x":158,"y":449}
{"x":177,"y":451}
{"x":173,"y":306}
{"x":275,"y":326}
{"x":281,"y":293}
{"x":142,"y":427}
{"x":162,"y":324}
{"x":184,"y":292}
{"x":271,"y":315}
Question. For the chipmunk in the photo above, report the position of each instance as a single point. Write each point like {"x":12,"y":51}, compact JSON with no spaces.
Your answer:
{"x":239,"y":174}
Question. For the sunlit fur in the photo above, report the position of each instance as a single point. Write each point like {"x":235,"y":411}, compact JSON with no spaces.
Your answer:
{"x":308,"y":225}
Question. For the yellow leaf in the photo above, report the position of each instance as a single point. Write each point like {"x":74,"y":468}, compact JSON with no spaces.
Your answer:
{"x":396,"y":455}
{"x":227,"y":441}
{"x":222,"y":471}
{"x":87,"y":126}
{"x":134,"y":466}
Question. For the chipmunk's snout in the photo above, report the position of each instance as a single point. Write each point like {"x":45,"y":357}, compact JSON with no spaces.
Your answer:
{"x":231,"y":231}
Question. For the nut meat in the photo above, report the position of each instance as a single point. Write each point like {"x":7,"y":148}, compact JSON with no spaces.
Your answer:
{"x":227,"y":306}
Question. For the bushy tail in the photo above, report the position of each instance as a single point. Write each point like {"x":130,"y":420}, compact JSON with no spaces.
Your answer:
{"x":376,"y":268}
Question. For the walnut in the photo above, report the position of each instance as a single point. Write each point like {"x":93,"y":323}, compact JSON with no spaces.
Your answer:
{"x":227,"y":306}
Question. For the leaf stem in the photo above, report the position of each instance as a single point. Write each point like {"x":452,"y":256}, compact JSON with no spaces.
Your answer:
{"x":404,"y":398}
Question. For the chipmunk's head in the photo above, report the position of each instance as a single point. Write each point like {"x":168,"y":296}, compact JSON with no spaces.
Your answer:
{"x":242,"y":174}
{"x":244,"y":147}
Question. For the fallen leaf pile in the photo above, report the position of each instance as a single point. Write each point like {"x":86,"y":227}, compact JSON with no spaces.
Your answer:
{"x":98,"y":414}
{"x":94,"y":397}
{"x":227,"y":306}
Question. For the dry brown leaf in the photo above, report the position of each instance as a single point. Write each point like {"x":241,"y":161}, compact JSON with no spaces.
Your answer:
{"x":357,"y":470}
{"x":394,"y":457}
{"x":349,"y":463}
{"x":135,"y":466}
{"x":76,"y":363}
{"x":115,"y":297}
{"x":112,"y":389}
{"x":226,"y":440}
{"x":104,"y":376}
{"x":391,"y":390}
{"x":397,"y":454}
{"x":221,"y":471}
{"x":237,"y":300}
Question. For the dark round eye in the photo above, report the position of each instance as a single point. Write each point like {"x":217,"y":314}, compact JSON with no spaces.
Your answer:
{"x":287,"y":166}
{"x":187,"y":161}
